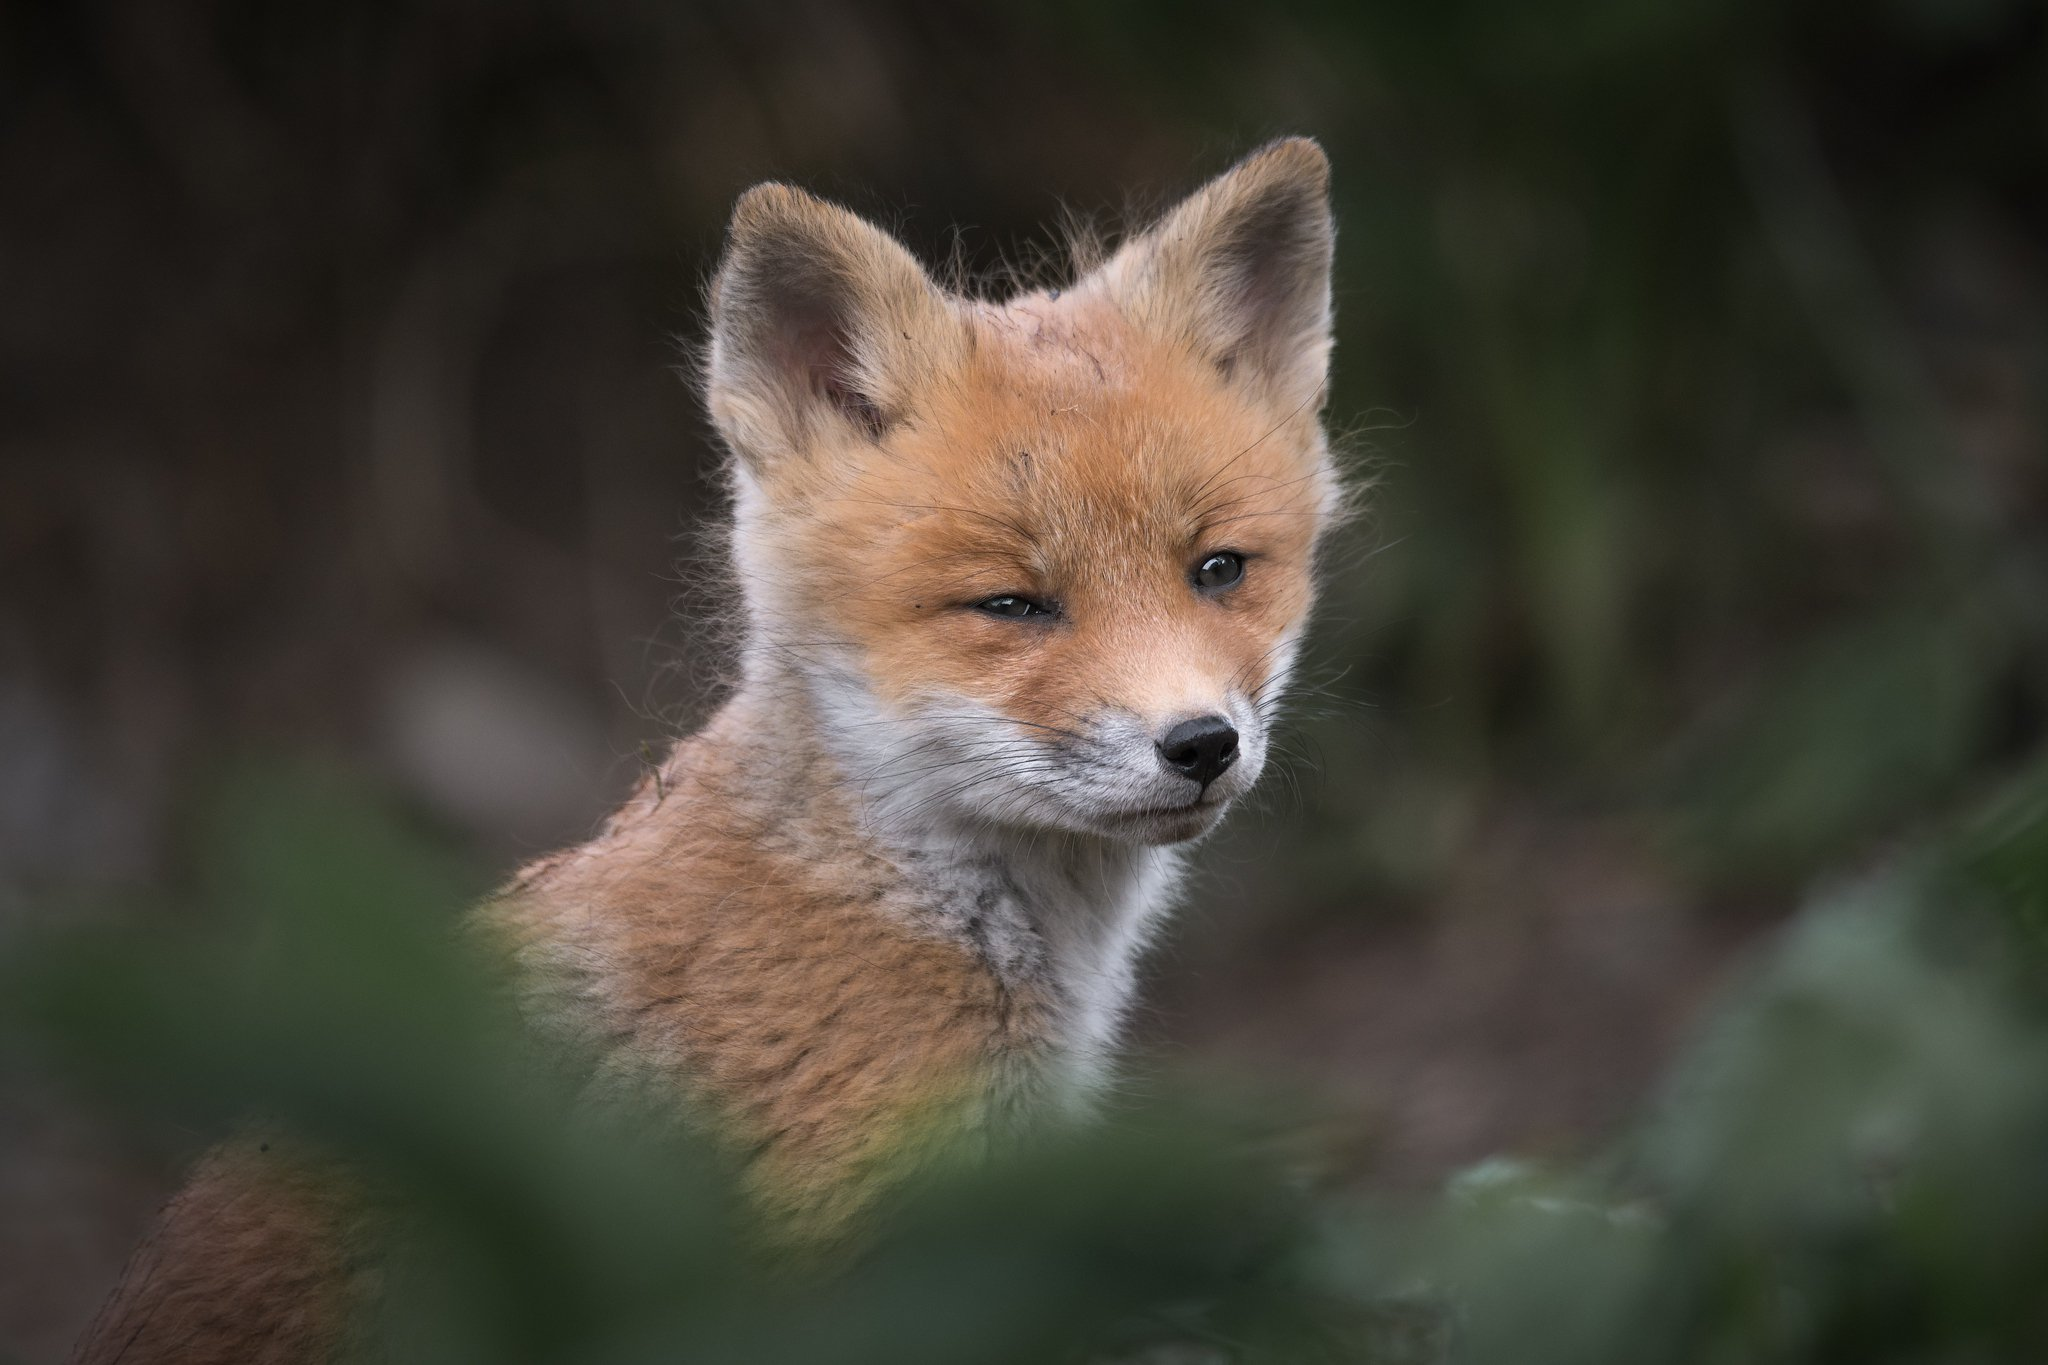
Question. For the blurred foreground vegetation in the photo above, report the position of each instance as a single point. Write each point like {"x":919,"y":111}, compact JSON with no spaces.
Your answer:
{"x":1845,"y":1168}
{"x":1698,"y":352}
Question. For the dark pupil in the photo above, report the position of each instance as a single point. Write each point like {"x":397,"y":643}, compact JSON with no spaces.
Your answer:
{"x":1009,"y":606}
{"x":1219,"y":571}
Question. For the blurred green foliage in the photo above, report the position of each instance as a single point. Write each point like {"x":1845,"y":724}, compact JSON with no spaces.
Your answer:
{"x":1845,"y":1168}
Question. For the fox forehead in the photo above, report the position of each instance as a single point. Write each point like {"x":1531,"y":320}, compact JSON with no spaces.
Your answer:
{"x":1068,"y":441}
{"x":1073,"y":338}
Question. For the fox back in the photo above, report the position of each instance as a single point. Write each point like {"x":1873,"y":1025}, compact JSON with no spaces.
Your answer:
{"x":1022,"y":584}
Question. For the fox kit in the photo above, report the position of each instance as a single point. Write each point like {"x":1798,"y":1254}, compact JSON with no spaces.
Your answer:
{"x":1022,"y":584}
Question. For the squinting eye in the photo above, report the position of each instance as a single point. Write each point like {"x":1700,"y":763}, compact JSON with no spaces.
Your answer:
{"x":1219,"y":570}
{"x":1009,"y":604}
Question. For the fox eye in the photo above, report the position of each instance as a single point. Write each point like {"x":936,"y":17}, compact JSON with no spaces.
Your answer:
{"x":1219,"y":570}
{"x":1009,"y":604}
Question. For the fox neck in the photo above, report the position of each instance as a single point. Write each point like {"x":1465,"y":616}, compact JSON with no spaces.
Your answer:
{"x":1066,"y":915}
{"x":1069,"y":915}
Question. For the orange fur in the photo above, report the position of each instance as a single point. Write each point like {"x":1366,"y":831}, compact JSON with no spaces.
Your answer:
{"x":263,"y":1258}
{"x":780,"y":988}
{"x":891,"y":895}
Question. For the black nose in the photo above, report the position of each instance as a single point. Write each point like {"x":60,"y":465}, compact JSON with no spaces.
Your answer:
{"x":1200,"y":748}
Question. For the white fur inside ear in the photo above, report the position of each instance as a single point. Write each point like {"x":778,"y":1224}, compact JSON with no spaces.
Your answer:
{"x":1240,"y":273}
{"x":822,"y":327}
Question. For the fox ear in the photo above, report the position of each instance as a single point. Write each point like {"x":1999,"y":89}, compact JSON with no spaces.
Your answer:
{"x":1240,"y":272}
{"x":821,"y":323}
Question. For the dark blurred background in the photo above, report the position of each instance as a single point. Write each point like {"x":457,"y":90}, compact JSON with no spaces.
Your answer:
{"x":1696,"y":353}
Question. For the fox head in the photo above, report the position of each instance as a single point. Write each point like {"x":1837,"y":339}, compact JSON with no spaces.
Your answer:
{"x":1038,"y":564}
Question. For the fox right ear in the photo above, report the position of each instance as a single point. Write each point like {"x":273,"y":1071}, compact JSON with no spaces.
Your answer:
{"x":1239,"y":272}
{"x":822,"y":325}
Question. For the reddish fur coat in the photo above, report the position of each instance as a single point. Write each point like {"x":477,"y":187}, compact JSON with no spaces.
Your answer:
{"x":892,"y":896}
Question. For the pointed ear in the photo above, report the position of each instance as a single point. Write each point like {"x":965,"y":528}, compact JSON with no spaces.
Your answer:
{"x":821,"y":325}
{"x":1240,"y":272}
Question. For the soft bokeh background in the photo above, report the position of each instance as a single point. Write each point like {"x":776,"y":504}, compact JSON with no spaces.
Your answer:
{"x":1697,"y":354}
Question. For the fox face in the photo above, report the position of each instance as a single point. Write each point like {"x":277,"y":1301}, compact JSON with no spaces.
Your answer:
{"x":1039,"y":564}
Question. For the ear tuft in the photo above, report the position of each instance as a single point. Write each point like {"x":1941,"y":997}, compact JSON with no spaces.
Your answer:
{"x":1240,"y":272}
{"x":821,"y":324}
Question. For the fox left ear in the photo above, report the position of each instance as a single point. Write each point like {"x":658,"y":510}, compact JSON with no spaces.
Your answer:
{"x":822,"y":327}
{"x":1240,"y":272}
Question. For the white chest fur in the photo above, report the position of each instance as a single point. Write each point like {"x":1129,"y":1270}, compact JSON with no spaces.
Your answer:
{"x":1067,"y":917}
